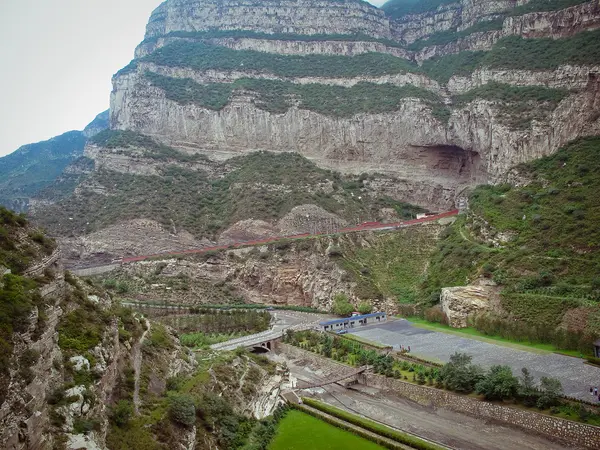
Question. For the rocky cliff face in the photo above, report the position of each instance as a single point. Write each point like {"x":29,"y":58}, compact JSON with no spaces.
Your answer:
{"x":471,"y":144}
{"x":299,"y":17}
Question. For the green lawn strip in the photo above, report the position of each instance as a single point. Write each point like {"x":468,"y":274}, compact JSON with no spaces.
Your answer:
{"x":301,"y":431}
{"x":371,"y":425}
{"x":472,"y":333}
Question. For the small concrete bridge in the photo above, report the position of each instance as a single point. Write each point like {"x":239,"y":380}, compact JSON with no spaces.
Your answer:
{"x":262,"y":340}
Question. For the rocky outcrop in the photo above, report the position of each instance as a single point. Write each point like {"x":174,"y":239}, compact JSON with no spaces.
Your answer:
{"x":271,"y":16}
{"x":410,"y":143}
{"x":555,"y":24}
{"x":258,"y":275}
{"x":461,"y":303}
{"x":136,"y":161}
{"x":575,"y":78}
{"x":460,"y":15}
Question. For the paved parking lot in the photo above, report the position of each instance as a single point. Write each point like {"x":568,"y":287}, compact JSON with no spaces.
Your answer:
{"x":576,"y":377}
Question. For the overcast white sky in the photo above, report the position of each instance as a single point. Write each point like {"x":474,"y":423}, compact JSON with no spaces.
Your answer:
{"x":58,"y":57}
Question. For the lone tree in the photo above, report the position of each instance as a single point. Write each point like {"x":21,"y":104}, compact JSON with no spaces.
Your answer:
{"x":459,"y":374}
{"x":550,"y":392}
{"x":499,"y":384}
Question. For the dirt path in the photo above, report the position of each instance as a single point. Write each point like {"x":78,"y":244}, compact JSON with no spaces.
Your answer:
{"x":137,"y":367}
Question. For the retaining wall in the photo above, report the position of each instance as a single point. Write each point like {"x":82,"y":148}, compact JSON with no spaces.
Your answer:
{"x":91,"y":271}
{"x":573,"y":432}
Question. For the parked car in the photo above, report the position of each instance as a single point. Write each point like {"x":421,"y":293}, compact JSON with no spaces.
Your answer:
{"x":341,"y":332}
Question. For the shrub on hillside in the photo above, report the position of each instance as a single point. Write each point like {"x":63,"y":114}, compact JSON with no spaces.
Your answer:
{"x":341,"y":305}
{"x":182,"y":410}
{"x":365,"y":308}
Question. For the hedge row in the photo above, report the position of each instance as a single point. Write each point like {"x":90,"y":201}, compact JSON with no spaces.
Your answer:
{"x":372,"y":426}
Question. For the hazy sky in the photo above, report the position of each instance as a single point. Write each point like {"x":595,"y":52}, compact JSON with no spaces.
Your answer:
{"x":58,"y":57}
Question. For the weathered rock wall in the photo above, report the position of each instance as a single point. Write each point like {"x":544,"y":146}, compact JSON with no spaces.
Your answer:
{"x":555,"y":24}
{"x":270,"y":16}
{"x":406,"y":142}
{"x":461,"y":15}
{"x":284,"y":47}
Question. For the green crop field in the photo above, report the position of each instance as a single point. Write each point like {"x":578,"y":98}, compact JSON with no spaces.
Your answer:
{"x":299,"y":431}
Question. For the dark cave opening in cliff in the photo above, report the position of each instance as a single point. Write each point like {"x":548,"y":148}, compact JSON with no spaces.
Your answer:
{"x":450,"y":161}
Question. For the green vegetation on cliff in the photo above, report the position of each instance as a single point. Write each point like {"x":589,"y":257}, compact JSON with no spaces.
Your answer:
{"x":201,"y":56}
{"x":396,"y":9}
{"x":449,"y":36}
{"x":517,"y":105}
{"x":125,"y":139}
{"x":549,"y":258}
{"x":20,"y":247}
{"x":261,"y":185}
{"x":381,"y":270}
{"x":514,"y":52}
{"x":278,"y":96}
{"x":240,"y":34}
{"x":545,"y":5}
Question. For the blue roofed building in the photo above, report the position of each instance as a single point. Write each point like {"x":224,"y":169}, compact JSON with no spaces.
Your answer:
{"x":352,"y":322}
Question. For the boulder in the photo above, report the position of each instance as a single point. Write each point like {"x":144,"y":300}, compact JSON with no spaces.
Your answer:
{"x":459,"y":303}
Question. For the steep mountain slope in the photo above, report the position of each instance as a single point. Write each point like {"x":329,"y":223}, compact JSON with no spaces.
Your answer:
{"x":540,"y":243}
{"x":446,"y":98}
{"x":32,"y":167}
{"x":79,"y":371}
{"x":523,"y":263}
{"x":188,"y":200}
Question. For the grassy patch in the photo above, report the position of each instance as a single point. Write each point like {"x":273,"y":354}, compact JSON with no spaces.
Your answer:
{"x":80,"y":330}
{"x":472,"y":333}
{"x":356,"y":338}
{"x":124,"y":139}
{"x":299,"y":431}
{"x":371,"y":425}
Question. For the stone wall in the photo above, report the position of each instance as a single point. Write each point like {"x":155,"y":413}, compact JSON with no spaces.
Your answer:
{"x":572,"y":432}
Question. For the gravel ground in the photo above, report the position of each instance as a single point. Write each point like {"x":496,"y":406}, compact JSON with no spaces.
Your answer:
{"x":575,"y":376}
